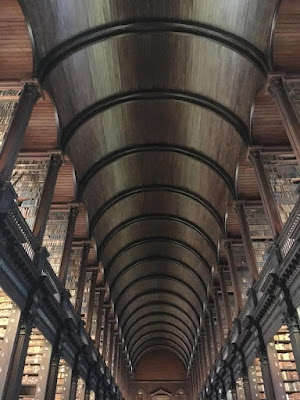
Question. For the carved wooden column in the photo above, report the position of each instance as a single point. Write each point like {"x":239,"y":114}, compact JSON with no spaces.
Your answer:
{"x":111,"y":344}
{"x":53,"y":371}
{"x":219,"y":317}
{"x":266,"y":193}
{"x":247,"y":241}
{"x":234,"y":276}
{"x":46,"y":199}
{"x":74,"y":378}
{"x":91,"y":301}
{"x":105,"y":332}
{"x":225,"y":298}
{"x":212,"y":332}
{"x":16,"y":131}
{"x":63,"y":271}
{"x":287,"y":113}
{"x":99,"y":318}
{"x":81,"y":278}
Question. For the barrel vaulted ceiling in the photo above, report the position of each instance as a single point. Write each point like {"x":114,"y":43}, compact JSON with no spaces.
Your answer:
{"x":154,"y":101}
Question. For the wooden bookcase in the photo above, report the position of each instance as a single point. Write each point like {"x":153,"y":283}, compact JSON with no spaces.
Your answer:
{"x":80,"y":391}
{"x":244,"y":277}
{"x":6,"y":110}
{"x":284,"y":176}
{"x":9,"y":320}
{"x":287,"y":364}
{"x":95,"y":316}
{"x":28,"y":180}
{"x":63,"y":383}
{"x":86,"y":296}
{"x":55,"y":235}
{"x":36,"y":367}
{"x":256,"y":380}
{"x":73,"y":273}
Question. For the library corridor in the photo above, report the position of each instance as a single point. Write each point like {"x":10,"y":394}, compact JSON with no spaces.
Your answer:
{"x":149,"y":199}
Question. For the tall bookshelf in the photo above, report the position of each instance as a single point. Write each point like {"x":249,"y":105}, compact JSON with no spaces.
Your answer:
{"x":86,"y":296}
{"x":261,"y":253}
{"x":6,"y":111}
{"x":223,"y":315}
{"x":240,"y":392}
{"x":95,"y":315}
{"x":9,"y":320}
{"x":28,"y":179}
{"x":287,"y":364}
{"x":73,"y":273}
{"x":231,"y":299}
{"x":55,"y":235}
{"x":92,"y":395}
{"x":256,"y":380}
{"x":63,"y":383}
{"x":242,"y":268}
{"x":36,"y":367}
{"x":284,"y":176}
{"x":80,"y":391}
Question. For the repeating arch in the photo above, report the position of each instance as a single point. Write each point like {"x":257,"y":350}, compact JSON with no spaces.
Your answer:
{"x":100,"y":33}
{"x":154,"y":94}
{"x":156,"y":258}
{"x":146,"y":217}
{"x":154,"y":188}
{"x":154,"y":239}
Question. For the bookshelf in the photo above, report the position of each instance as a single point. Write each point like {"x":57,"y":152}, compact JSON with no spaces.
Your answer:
{"x":261,"y":253}
{"x":80,"y":391}
{"x":287,"y":364}
{"x":244,"y":277}
{"x":223,"y":315}
{"x":240,"y":389}
{"x":63,"y":383}
{"x":92,"y":395}
{"x":256,"y":380}
{"x":36,"y":367}
{"x":6,"y":111}
{"x":86,"y":296}
{"x":94,"y":318}
{"x":9,"y":320}
{"x":28,"y":179}
{"x":73,"y":273}
{"x":55,"y":235}
{"x":283,"y":172}
{"x":258,"y":223}
{"x":231,"y":299}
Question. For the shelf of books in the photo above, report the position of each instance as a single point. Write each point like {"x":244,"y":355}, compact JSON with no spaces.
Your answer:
{"x":28,"y":179}
{"x":232,"y":303}
{"x":6,"y":110}
{"x":92,"y":395}
{"x":86,"y":296}
{"x":283,"y":171}
{"x":63,"y":383}
{"x":244,"y":277}
{"x":55,"y":235}
{"x":9,"y":320}
{"x":73,"y":273}
{"x":240,"y":392}
{"x":287,"y":364}
{"x":95,"y":316}
{"x":261,"y":252}
{"x":80,"y":391}
{"x":256,"y":380}
{"x":223,"y":315}
{"x":36,"y":367}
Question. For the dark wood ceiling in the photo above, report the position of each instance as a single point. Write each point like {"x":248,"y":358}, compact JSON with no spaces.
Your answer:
{"x":154,"y":107}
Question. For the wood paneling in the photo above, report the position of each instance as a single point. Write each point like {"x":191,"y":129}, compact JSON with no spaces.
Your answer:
{"x":41,"y":134}
{"x":15,"y":46}
{"x":286,"y":40}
